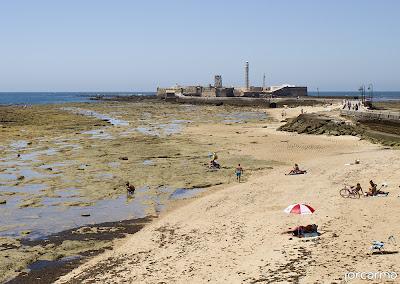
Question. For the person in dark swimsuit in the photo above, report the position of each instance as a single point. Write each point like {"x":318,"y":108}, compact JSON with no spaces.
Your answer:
{"x":130,"y":188}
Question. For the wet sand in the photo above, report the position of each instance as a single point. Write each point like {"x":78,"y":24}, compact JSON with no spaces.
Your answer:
{"x":63,"y":167}
{"x":47,"y":271}
{"x":236,"y":234}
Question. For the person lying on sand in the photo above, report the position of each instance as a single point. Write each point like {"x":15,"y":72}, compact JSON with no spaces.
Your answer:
{"x":301,"y":230}
{"x":296,"y":170}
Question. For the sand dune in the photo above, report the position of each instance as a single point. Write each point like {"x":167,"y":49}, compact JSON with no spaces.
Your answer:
{"x":234,"y":234}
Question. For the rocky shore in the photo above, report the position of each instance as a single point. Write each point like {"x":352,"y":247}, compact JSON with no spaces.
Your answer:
{"x":324,"y":124}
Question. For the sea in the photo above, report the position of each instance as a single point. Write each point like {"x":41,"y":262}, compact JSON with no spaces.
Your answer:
{"x":376,"y":95}
{"x":32,"y":98}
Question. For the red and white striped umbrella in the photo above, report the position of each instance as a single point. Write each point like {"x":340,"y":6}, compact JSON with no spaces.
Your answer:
{"x":299,"y":208}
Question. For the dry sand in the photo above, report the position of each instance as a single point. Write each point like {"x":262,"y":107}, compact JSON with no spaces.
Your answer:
{"x":234,"y":234}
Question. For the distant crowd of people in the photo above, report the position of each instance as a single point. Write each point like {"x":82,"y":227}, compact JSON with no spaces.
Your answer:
{"x":351,"y":105}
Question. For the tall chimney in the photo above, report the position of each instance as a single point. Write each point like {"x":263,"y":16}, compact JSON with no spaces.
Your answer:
{"x":246,"y":70}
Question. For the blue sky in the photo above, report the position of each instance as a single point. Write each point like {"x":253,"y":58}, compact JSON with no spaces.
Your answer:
{"x":97,"y":45}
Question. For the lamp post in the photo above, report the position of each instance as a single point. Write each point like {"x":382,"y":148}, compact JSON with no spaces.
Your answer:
{"x":371,"y":92}
{"x":362,"y":90}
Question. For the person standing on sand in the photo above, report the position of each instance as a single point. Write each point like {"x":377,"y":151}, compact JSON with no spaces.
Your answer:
{"x":239,"y":172}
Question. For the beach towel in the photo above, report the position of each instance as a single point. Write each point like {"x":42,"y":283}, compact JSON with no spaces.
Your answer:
{"x":310,"y":235}
{"x":381,"y":195}
{"x":297,"y":173}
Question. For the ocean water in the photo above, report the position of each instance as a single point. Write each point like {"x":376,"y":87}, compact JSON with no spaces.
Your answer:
{"x":376,"y":96}
{"x":29,"y":98}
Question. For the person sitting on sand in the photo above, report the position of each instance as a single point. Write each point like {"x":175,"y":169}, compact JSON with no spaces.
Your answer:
{"x":357,"y":188}
{"x":130,"y":188}
{"x":214,"y":165}
{"x":296,"y":170}
{"x":372,"y":190}
{"x":239,"y":172}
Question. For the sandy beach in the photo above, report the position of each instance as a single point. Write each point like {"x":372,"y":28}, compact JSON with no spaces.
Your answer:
{"x":224,"y":142}
{"x":235,"y":233}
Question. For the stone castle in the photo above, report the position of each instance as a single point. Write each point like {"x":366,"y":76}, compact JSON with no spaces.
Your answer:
{"x":218,"y":90}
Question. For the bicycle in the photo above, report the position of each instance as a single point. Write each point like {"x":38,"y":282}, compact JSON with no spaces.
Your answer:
{"x":350,"y":192}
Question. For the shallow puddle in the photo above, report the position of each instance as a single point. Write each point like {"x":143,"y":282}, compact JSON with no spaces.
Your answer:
{"x":104,"y":117}
{"x":147,"y":131}
{"x":114,"y":164}
{"x":31,"y":174}
{"x":7,"y":177}
{"x":98,"y":134}
{"x":148,"y":162}
{"x":241,"y":117}
{"x":17,"y":145}
{"x":185,"y":193}
{"x":163,"y":129}
{"x":53,"y":216}
{"x":34,"y":156}
{"x":40,"y":264}
{"x":28,"y":188}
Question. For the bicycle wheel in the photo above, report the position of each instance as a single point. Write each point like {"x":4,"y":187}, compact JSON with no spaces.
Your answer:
{"x":344,"y":193}
{"x":355,"y":195}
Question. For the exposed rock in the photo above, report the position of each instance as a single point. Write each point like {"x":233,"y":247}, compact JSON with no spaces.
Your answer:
{"x":320,"y":124}
{"x":316,"y":124}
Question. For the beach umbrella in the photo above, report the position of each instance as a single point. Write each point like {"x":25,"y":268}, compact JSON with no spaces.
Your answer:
{"x":299,"y":208}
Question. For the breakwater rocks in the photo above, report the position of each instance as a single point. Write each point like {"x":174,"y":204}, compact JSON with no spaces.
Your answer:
{"x":321,"y":124}
{"x":316,"y":124}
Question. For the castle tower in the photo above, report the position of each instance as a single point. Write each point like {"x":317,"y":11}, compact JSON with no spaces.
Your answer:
{"x":218,"y":81}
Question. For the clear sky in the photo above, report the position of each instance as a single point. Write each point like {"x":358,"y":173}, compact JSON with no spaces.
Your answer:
{"x":96,"y":45}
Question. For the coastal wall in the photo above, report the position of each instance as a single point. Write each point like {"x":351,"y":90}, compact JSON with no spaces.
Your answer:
{"x":372,"y":115}
{"x":195,"y":91}
{"x":224,"y":100}
{"x":246,"y":101}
